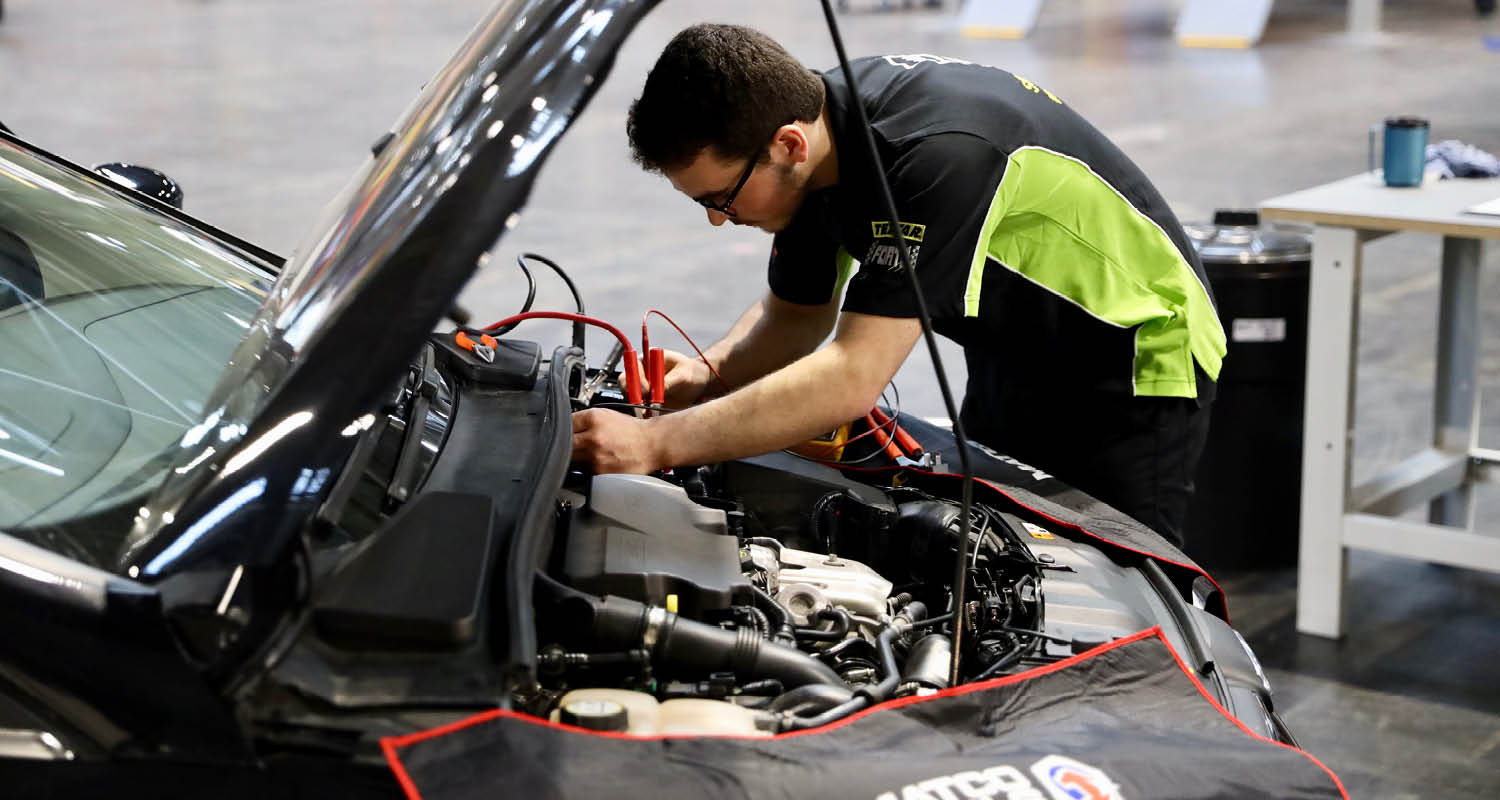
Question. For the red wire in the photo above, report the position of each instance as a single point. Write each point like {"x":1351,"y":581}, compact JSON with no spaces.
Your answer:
{"x":646,"y":343}
{"x":632,"y":364}
{"x":890,"y":423}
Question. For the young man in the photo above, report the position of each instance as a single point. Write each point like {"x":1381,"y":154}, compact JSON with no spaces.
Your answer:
{"x":1091,"y":338}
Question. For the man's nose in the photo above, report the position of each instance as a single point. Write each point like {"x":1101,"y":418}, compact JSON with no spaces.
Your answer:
{"x":716,"y":218}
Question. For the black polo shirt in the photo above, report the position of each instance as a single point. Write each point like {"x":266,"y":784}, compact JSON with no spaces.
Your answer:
{"x":1038,"y":244}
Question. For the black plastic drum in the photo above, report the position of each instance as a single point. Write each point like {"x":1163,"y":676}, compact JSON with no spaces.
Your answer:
{"x":1246,"y":508}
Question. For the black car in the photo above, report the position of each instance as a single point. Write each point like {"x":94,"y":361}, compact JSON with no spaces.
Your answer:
{"x":266,"y":533}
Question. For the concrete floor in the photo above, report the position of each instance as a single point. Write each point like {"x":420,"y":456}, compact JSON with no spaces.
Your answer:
{"x":263,"y":109}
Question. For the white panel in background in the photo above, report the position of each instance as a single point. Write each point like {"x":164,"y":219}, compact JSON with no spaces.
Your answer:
{"x":1222,"y":23}
{"x":998,"y":19}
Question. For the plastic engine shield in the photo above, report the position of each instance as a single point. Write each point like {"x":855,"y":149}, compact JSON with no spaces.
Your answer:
{"x":643,"y":538}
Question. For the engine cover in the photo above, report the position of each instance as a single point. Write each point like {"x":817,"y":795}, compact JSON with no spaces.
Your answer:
{"x":643,"y":538}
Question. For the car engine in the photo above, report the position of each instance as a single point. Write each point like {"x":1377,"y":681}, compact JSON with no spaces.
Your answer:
{"x":774,"y":593}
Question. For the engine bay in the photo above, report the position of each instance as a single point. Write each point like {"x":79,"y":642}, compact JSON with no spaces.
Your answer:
{"x":751,"y":597}
{"x":790,"y":595}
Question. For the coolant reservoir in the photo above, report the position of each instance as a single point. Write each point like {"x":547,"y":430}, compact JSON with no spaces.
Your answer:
{"x":707,"y":718}
{"x":598,"y":709}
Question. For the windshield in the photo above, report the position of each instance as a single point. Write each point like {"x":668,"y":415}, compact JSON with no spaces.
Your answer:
{"x":116,"y":321}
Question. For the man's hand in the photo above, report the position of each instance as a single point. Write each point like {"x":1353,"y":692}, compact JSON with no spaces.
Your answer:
{"x":688,"y":378}
{"x":610,"y":441}
{"x":814,"y":394}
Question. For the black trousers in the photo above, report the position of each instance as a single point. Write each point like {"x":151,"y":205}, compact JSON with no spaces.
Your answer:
{"x":1138,"y":454}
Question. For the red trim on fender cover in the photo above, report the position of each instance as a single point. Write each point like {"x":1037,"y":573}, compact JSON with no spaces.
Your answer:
{"x":390,"y":744}
{"x":1182,"y":665}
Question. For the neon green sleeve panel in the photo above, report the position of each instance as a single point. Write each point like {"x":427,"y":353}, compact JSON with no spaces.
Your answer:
{"x":846,"y":265}
{"x":1056,"y":223}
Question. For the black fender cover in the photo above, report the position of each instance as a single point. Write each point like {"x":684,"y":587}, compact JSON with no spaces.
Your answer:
{"x":1124,"y":720}
{"x":1004,"y":481}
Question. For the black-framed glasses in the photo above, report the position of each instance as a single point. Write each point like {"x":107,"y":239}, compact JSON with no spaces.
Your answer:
{"x":723,"y":208}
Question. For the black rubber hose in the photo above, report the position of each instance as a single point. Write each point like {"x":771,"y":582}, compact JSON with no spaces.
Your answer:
{"x":914,"y":612}
{"x":838,"y":712}
{"x":673,"y":640}
{"x":781,"y":619}
{"x":865,"y":697}
{"x":696,"y":645}
{"x":762,"y":622}
{"x":887,"y":685}
{"x":1006,"y":661}
{"x":814,"y":698}
{"x":768,"y":686}
{"x":815,"y":519}
{"x":922,"y":623}
{"x":841,"y":623}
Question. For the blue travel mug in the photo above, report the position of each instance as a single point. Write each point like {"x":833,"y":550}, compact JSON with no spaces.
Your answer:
{"x":1404,"y":150}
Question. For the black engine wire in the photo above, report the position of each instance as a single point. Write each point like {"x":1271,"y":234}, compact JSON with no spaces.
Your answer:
{"x":531,"y":298}
{"x":572,"y":287}
{"x":561,"y":273}
{"x":525,"y":307}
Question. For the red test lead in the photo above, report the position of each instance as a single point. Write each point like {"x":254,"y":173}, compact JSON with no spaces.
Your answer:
{"x":631,"y":365}
{"x":656,"y":371}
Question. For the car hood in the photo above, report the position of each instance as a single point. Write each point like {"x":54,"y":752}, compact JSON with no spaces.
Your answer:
{"x":351,"y":310}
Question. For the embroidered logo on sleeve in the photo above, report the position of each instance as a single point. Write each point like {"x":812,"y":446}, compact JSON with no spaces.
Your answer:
{"x":881,"y":229}
{"x":889,"y":256}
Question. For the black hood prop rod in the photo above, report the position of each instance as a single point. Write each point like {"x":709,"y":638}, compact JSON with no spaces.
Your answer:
{"x":960,"y":566}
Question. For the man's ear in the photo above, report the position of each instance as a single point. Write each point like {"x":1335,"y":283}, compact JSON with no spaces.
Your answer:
{"x":791,"y":139}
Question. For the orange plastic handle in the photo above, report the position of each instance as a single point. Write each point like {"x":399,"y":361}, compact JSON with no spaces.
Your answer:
{"x":881,"y":439}
{"x":903,"y":439}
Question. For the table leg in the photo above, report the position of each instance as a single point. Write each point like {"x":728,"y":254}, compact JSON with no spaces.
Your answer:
{"x":1454,"y":389}
{"x":1328,"y":413}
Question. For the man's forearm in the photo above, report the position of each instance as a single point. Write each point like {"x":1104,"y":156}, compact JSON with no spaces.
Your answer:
{"x":768,"y":336}
{"x":785,"y":407}
{"x":812,"y":395}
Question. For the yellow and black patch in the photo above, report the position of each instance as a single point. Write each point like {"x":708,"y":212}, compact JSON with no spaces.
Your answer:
{"x":910,"y":231}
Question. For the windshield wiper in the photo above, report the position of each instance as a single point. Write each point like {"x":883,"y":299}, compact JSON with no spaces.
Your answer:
{"x":422,"y":384}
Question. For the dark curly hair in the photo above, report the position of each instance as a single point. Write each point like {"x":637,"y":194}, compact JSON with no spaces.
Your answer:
{"x":721,"y":86}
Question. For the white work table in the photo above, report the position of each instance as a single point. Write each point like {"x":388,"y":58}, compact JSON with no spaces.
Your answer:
{"x":1335,"y":516}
